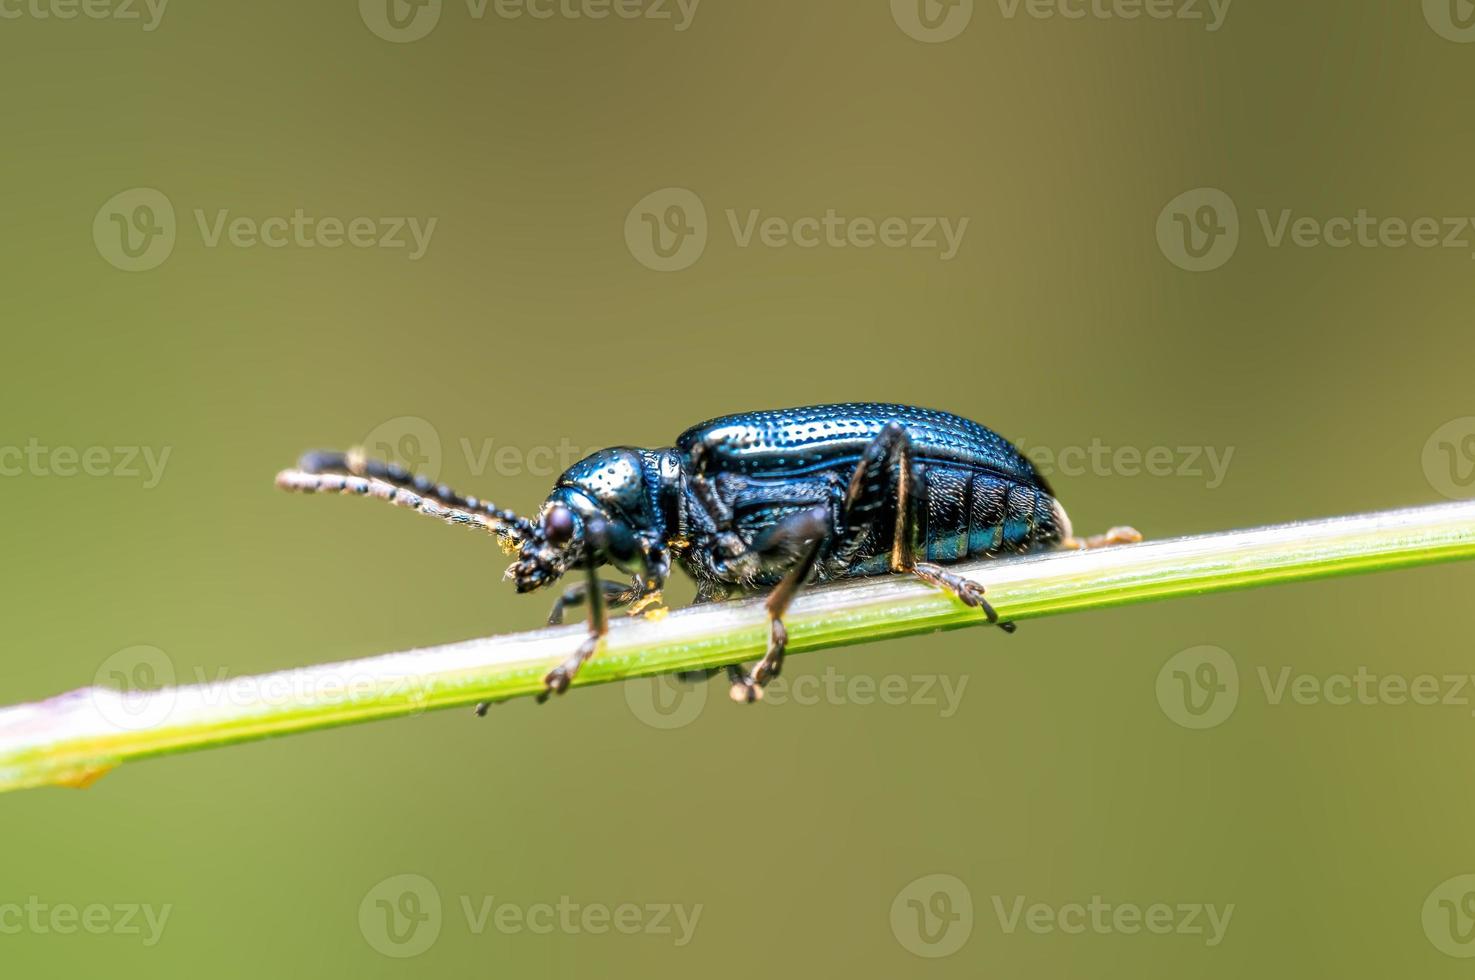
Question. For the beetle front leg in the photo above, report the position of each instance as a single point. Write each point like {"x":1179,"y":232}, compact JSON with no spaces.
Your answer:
{"x":556,"y":681}
{"x":807,"y":530}
{"x":612,"y":593}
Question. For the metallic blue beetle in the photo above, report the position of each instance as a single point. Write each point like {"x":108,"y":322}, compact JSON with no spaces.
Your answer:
{"x":751,"y":502}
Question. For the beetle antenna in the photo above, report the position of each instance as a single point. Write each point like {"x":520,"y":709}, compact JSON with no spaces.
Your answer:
{"x":353,"y":472}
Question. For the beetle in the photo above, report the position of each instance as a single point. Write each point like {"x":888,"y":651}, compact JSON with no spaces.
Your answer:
{"x":754,"y":502}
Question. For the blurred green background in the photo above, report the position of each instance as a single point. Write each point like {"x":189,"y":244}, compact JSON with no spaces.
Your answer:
{"x":1338,"y":378}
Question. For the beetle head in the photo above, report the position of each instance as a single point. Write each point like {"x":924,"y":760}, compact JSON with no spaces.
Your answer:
{"x":594,"y":514}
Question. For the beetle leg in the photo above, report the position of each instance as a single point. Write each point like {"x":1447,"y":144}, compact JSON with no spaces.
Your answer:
{"x":709,"y":592}
{"x":891,"y":452}
{"x":615,"y":594}
{"x":745,"y":689}
{"x":970,"y":592}
{"x":706,"y":493}
{"x":612,"y":594}
{"x":696,"y":676}
{"x":808,"y":530}
{"x":556,"y":681}
{"x":1112,"y":538}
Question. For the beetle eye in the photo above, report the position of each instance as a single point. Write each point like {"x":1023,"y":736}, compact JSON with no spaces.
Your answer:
{"x":558,"y":525}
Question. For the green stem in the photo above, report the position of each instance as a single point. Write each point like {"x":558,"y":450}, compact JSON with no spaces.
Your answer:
{"x":74,"y":738}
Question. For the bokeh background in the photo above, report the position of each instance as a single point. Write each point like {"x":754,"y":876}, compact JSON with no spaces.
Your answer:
{"x":542,"y":316}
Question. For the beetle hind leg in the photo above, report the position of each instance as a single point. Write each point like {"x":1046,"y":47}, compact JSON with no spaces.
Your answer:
{"x":886,"y":471}
{"x":1112,"y":538}
{"x":967,"y":590}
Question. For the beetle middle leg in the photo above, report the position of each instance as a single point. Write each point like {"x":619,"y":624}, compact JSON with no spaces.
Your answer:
{"x":616,"y":595}
{"x":807,"y":530}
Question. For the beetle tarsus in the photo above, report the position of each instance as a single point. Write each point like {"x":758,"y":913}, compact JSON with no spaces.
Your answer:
{"x":744,"y":689}
{"x":557,"y":680}
{"x":967,"y":590}
{"x":1112,"y":538}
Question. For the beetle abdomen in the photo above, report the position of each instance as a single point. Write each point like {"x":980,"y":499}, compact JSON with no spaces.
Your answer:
{"x":969,"y":513}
